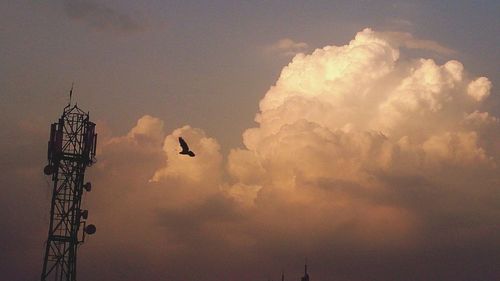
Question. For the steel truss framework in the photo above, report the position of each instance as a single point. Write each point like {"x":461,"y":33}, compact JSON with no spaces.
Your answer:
{"x":71,"y":150}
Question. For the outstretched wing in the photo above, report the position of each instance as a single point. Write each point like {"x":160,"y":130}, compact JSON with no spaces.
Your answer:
{"x":183,"y":144}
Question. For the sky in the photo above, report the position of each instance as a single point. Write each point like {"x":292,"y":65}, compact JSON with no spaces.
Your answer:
{"x":361,"y":135}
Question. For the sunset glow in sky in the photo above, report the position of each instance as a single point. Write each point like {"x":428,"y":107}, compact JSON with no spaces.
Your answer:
{"x":361,"y":135}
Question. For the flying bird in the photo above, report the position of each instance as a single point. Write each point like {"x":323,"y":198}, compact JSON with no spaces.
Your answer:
{"x":185,"y":148}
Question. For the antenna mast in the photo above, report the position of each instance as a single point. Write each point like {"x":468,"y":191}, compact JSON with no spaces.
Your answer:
{"x":71,"y":149}
{"x":71,"y":93}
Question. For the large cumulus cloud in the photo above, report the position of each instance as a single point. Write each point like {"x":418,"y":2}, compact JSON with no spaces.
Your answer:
{"x":362,"y":158}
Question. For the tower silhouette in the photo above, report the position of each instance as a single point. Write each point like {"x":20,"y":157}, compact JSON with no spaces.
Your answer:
{"x":71,"y":149}
{"x":306,"y":275}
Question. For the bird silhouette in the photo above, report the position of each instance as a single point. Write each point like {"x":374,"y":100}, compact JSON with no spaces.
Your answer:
{"x":185,"y":148}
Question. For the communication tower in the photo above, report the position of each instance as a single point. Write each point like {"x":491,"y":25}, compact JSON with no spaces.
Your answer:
{"x":71,"y":149}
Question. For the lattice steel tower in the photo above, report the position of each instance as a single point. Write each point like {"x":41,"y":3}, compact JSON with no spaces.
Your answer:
{"x":71,"y":150}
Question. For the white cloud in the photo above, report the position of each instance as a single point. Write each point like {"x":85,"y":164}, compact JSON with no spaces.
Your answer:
{"x":478,"y":118}
{"x":287,"y":47}
{"x":204,"y":168}
{"x":407,"y":40}
{"x":349,"y":114}
{"x":479,"y":89}
{"x":355,"y":148}
{"x":148,"y":128}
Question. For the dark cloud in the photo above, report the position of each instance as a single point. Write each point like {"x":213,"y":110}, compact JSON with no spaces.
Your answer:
{"x":149,"y":231}
{"x":189,"y":220}
{"x":100,"y":16}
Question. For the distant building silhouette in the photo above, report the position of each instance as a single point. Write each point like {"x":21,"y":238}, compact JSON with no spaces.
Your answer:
{"x":306,"y":276}
{"x":303,"y":278}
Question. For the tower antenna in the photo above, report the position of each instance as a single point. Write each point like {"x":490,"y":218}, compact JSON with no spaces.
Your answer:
{"x":71,"y":92}
{"x":71,"y":149}
{"x":306,"y":275}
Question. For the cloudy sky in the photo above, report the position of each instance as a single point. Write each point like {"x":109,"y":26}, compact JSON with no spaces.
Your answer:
{"x":363,"y":135}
